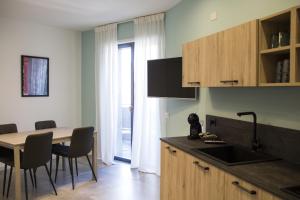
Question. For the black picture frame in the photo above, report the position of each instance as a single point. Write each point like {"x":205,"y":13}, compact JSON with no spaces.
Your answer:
{"x":34,"y":76}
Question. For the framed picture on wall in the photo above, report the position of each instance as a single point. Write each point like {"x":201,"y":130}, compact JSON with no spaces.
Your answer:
{"x":35,"y":76}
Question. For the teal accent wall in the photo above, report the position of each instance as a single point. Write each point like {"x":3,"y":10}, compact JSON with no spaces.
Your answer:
{"x":190,"y":20}
{"x":88,"y":79}
{"x":126,"y":31}
{"x":185,"y":22}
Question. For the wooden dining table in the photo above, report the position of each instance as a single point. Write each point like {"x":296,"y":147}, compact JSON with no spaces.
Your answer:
{"x":16,"y":141}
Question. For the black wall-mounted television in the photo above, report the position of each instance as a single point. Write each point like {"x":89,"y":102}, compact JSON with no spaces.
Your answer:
{"x":165,"y":79}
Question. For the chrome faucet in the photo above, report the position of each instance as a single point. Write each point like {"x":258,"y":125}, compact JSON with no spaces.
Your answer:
{"x":255,"y":144}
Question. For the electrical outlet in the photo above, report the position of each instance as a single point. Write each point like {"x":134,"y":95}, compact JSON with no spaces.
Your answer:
{"x":213,"y":122}
{"x":213,"y":16}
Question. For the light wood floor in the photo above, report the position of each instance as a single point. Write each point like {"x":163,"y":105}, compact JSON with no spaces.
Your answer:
{"x":115,"y":182}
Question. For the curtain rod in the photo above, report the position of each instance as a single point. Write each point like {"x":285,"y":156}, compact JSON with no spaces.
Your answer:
{"x":129,"y":20}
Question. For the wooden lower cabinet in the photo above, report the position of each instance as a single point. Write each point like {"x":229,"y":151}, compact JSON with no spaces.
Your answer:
{"x":172,"y":180}
{"x":238,"y":189}
{"x":184,"y":177}
{"x":203,"y":181}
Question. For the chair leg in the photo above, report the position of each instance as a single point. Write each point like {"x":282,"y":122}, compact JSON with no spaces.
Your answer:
{"x":63,"y":161}
{"x":25,"y":181}
{"x":34,"y":174}
{"x":91,"y":168}
{"x":31,"y":178}
{"x":51,"y":165}
{"x":4,"y":179}
{"x":71,"y":171}
{"x":9,"y":180}
{"x":76,"y":166}
{"x":50,"y":179}
{"x":57,"y":163}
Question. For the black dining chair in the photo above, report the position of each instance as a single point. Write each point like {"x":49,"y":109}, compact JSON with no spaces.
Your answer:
{"x":40,"y":125}
{"x":37,"y":153}
{"x":82,"y":142}
{"x":5,"y":153}
{"x":45,"y":124}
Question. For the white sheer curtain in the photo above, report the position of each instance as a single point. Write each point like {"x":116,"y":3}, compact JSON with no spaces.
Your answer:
{"x":107,"y":89}
{"x":149,"y":123}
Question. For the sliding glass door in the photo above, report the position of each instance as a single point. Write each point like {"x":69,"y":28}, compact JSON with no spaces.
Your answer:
{"x":124,"y":140}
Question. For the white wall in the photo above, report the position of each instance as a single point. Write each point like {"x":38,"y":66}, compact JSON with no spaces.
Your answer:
{"x":63,"y":47}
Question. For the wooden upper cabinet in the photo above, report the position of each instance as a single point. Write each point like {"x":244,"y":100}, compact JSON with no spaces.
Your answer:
{"x":209,"y":60}
{"x":238,"y":55}
{"x":190,"y":64}
{"x":238,"y":189}
{"x":224,"y":59}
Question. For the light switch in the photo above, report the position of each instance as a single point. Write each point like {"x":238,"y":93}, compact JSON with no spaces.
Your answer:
{"x":167,"y":115}
{"x":213,"y":16}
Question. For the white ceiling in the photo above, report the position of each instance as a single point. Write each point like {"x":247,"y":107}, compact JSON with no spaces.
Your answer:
{"x":81,"y":14}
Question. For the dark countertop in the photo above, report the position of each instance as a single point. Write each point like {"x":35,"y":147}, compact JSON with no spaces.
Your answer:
{"x":269,"y":176}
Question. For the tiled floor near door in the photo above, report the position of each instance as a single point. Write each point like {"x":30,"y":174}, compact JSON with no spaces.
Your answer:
{"x":115,"y":182}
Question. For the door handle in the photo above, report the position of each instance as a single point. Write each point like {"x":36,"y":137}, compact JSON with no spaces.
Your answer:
{"x":194,"y":83}
{"x":230,"y":81}
{"x":130,"y":108}
{"x":205,"y":169}
{"x":171,"y":150}
{"x":237,"y":184}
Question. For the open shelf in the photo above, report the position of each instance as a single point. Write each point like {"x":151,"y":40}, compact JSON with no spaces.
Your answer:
{"x":278,"y":50}
{"x":296,"y":71}
{"x":297,"y":68}
{"x":279,"y":84}
{"x":268,"y":67}
{"x":297,"y":25}
{"x":271,"y":26}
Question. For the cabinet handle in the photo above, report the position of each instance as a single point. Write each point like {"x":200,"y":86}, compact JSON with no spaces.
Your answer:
{"x":170,"y":150}
{"x":200,"y":166}
{"x":194,"y":83}
{"x":230,"y":81}
{"x":237,"y":184}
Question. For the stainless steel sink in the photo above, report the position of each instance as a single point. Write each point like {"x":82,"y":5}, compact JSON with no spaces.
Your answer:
{"x":235,"y":155}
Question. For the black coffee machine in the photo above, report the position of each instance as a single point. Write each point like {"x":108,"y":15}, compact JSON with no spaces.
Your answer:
{"x":195,"y":126}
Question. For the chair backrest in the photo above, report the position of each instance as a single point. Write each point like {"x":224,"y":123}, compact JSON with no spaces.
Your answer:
{"x":37,"y":150}
{"x":81,"y":142}
{"x":5,"y":129}
{"x":45,"y":124}
{"x":8,"y":128}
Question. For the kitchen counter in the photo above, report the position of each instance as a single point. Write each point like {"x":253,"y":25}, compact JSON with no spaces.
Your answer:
{"x":269,"y":176}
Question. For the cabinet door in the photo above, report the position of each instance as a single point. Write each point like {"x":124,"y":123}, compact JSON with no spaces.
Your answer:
{"x":190,"y":64}
{"x":172,"y":180}
{"x":241,"y":190}
{"x":239,"y":55}
{"x":204,"y":181}
{"x":209,"y":61}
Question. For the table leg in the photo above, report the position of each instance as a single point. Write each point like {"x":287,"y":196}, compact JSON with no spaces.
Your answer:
{"x":94,"y":155}
{"x":17,"y":173}
{"x":63,"y":161}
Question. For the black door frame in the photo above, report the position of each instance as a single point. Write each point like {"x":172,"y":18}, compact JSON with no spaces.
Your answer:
{"x":131,"y":45}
